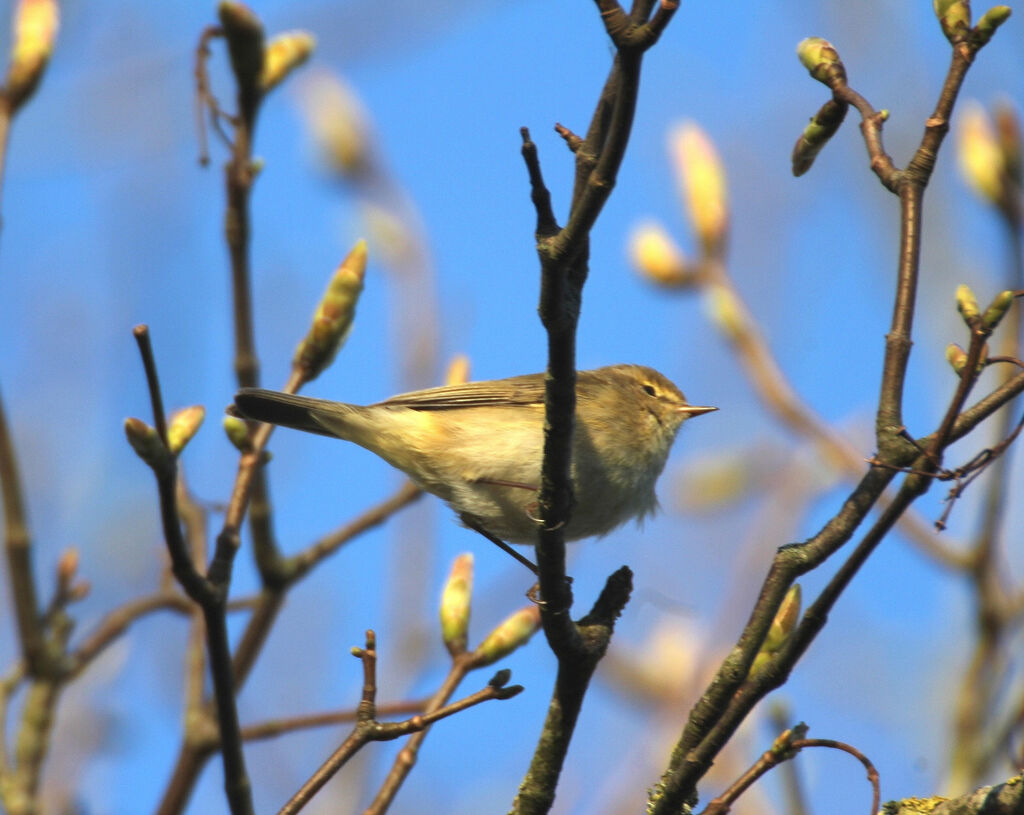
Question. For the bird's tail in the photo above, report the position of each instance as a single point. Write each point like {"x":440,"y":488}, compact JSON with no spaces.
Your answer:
{"x":285,"y":409}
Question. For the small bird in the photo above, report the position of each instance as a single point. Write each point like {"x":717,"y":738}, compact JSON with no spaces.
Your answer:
{"x":478,"y":446}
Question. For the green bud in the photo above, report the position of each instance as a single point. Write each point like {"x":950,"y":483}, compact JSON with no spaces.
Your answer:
{"x":997,"y":310}
{"x":283,"y":54}
{"x":33,"y":33}
{"x":183,"y":426}
{"x":966,"y":304}
{"x":785,"y":621}
{"x":989,"y":22}
{"x":822,"y":127}
{"x":956,"y":357}
{"x":238,"y":433}
{"x":509,"y":635}
{"x":334,"y":315}
{"x":455,"y":604}
{"x":820,"y":57}
{"x":954,"y":17}
{"x":145,"y":441}
{"x":780,"y":630}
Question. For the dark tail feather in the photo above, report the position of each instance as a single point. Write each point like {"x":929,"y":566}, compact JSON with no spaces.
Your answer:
{"x":284,"y":409}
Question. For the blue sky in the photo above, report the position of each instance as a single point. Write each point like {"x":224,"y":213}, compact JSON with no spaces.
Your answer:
{"x":109,"y":221}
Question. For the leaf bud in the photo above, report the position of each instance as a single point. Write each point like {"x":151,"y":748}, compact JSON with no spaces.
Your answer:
{"x":989,"y":22}
{"x":954,"y":17}
{"x":34,"y":31}
{"x":509,"y":635}
{"x":822,"y":60}
{"x":819,"y":130}
{"x":982,"y":159}
{"x":458,"y":370}
{"x":967,"y":304}
{"x":237,"y":431}
{"x":701,"y":178}
{"x":657,"y":257}
{"x":333,"y":318}
{"x":455,"y":604}
{"x":145,"y":441}
{"x":956,"y":357}
{"x":182,"y":426}
{"x":283,"y":54}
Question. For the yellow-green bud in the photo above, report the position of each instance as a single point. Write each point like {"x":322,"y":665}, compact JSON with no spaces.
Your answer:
{"x":956,"y":357}
{"x":967,"y":304}
{"x":989,"y":22}
{"x":458,"y":370}
{"x":657,"y":257}
{"x":145,"y":441}
{"x":954,"y":17}
{"x":981,"y":157}
{"x":785,"y":620}
{"x":332,"y":320}
{"x":284,"y":53}
{"x":820,"y":129}
{"x":822,"y":60}
{"x":238,"y":433}
{"x":510,"y":634}
{"x":702,"y":180}
{"x":997,"y":310}
{"x":339,"y":123}
{"x":183,"y":426}
{"x":455,"y":604}
{"x":780,"y":630}
{"x":243,"y":32}
{"x":34,"y":31}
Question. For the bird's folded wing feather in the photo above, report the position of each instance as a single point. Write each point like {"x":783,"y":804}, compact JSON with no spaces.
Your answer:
{"x":517,"y":390}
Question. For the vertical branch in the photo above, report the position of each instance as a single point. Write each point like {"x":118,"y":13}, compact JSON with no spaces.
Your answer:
{"x":18,"y":547}
{"x":889,"y":422}
{"x":564,"y":259}
{"x":238,"y":182}
{"x":210,"y":595}
{"x":910,"y":186}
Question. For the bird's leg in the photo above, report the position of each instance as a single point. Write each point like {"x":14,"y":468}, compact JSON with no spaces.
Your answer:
{"x":470,"y":521}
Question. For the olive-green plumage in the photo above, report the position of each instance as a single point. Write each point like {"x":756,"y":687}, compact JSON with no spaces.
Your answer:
{"x":479,"y":445}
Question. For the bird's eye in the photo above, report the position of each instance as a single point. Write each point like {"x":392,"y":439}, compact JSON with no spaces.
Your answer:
{"x":649,"y":390}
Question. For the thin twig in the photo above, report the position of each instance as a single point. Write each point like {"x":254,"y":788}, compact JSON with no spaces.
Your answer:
{"x":783,"y":753}
{"x":277,"y":727}
{"x":165,"y":470}
{"x":368,"y":728}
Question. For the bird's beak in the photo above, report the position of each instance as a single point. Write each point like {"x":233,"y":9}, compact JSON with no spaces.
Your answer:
{"x":695,"y":410}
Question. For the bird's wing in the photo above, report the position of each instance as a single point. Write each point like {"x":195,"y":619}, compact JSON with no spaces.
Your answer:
{"x":517,"y":390}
